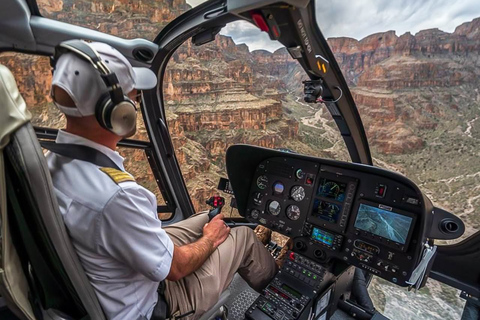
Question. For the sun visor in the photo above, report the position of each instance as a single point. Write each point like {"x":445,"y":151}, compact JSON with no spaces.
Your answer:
{"x":13,"y":109}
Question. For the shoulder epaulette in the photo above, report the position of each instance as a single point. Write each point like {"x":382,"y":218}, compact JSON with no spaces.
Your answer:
{"x":116,"y":175}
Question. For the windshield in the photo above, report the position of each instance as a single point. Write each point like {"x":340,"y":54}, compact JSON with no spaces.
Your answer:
{"x":412,"y":69}
{"x":240,"y":88}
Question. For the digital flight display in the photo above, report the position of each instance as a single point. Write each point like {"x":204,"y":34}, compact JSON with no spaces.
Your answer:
{"x":292,"y":291}
{"x":283,"y":295}
{"x":326,"y":210}
{"x":383,"y":223}
{"x":322,"y":236}
{"x":331,"y":189}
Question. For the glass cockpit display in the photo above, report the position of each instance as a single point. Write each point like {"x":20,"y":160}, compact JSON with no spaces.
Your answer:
{"x":326,"y":210}
{"x":383,"y":223}
{"x":323,"y":236}
{"x":331,"y":189}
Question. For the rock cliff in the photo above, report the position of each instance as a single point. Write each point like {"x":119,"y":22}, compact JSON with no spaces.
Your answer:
{"x":220,"y":93}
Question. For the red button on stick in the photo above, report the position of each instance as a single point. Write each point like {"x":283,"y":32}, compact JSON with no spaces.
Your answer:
{"x":292,"y":256}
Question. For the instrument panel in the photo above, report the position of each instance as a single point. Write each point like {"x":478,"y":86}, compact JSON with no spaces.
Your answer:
{"x":334,"y":213}
{"x":281,"y":194}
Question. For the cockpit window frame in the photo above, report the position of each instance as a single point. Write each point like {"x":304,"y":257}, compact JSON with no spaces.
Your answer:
{"x":33,"y":5}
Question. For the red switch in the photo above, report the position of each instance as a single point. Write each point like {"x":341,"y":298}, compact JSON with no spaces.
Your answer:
{"x":260,"y":22}
{"x":309,"y":180}
{"x":380,"y":190}
{"x":292,"y":256}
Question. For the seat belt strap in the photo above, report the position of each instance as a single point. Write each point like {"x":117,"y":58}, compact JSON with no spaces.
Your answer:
{"x":80,"y":152}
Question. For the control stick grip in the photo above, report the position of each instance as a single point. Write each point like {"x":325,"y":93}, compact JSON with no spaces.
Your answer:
{"x":213,"y":212}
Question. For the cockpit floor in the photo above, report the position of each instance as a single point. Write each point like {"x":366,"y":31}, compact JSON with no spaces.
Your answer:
{"x":242,"y":296}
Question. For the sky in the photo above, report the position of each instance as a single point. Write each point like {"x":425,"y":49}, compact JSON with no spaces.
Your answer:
{"x":360,"y":18}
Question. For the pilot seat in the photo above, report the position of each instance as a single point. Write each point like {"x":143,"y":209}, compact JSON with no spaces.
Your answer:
{"x":40,"y":273}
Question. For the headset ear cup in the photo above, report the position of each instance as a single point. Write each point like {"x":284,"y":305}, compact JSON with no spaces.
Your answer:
{"x":123,"y":118}
{"x":118,"y":118}
{"x":103,"y":110}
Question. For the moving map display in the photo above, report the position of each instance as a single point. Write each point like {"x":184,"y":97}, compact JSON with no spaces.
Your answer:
{"x":322,"y":236}
{"x":383,"y":223}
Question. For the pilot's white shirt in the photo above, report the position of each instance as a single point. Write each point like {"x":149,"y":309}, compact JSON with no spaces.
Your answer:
{"x":115,"y":231}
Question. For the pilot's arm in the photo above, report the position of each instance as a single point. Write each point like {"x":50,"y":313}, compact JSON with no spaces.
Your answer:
{"x":131,"y":232}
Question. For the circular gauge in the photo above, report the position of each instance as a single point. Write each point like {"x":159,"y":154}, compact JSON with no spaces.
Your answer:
{"x":297,"y":193}
{"x":293,"y":212}
{"x":262,"y":182}
{"x":300,"y":174}
{"x":257,"y":198}
{"x":278,"y":187}
{"x":330,"y":189}
{"x":255,"y":214}
{"x":274,"y":208}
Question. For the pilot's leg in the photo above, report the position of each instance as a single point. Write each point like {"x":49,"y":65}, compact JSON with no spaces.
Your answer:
{"x":241,"y":252}
{"x":188,"y":230}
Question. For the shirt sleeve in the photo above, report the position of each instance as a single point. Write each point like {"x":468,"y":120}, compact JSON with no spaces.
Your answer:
{"x":131,"y":232}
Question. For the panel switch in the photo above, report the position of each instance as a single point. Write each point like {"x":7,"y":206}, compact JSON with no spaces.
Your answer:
{"x":380,"y":190}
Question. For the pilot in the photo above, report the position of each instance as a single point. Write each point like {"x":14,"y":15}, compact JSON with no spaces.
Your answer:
{"x":113,"y":223}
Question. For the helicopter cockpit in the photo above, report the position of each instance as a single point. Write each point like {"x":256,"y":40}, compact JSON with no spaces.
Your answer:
{"x":347,"y":220}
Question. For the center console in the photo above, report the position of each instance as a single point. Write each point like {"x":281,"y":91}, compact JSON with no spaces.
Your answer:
{"x":290,"y":294}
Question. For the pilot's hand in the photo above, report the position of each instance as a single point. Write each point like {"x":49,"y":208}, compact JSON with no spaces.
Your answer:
{"x":216,"y":230}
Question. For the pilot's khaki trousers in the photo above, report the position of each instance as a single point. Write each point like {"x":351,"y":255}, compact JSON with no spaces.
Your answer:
{"x":241,"y":252}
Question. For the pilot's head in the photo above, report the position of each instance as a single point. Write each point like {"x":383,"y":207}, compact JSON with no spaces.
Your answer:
{"x":80,"y":93}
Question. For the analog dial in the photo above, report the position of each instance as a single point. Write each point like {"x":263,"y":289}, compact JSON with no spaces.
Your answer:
{"x":262,"y":182}
{"x":293,"y":212}
{"x":274,"y":208}
{"x":300,"y":174}
{"x":255,"y":214}
{"x":297,"y":193}
{"x":278,"y":187}
{"x":331,"y":188}
{"x":257,"y":198}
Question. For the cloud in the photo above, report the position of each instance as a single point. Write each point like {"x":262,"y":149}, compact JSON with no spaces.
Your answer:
{"x":358,"y":19}
{"x":245,"y":32}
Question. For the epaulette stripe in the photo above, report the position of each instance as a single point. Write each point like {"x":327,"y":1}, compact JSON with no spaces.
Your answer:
{"x":116,"y":175}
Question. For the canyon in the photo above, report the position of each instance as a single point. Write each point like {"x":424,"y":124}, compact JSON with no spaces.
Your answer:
{"x":418,"y":97}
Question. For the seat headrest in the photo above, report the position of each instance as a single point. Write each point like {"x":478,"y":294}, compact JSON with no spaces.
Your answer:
{"x":13,"y":110}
